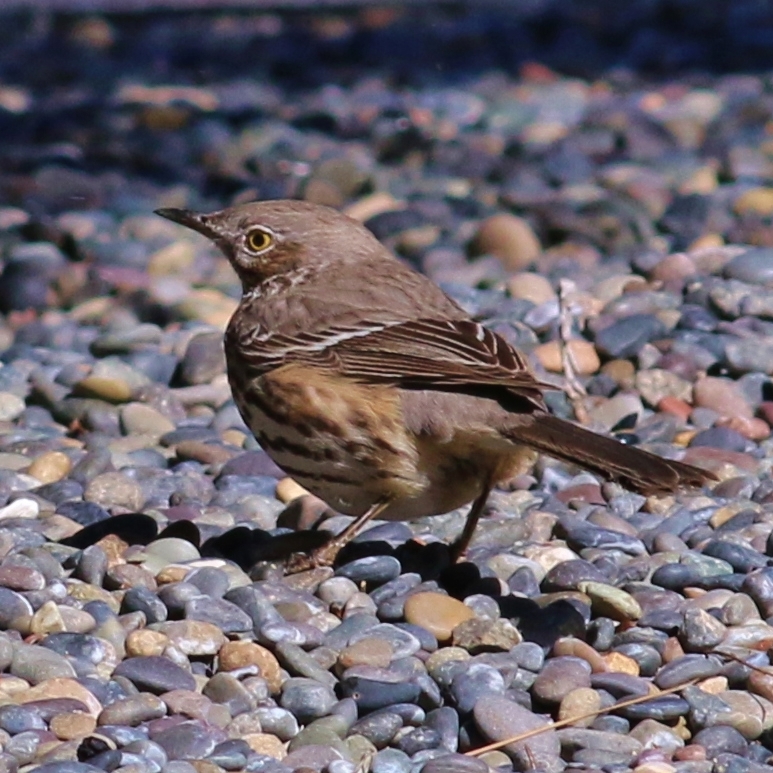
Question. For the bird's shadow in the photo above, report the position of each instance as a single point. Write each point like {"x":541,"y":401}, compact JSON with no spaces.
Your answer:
{"x":432,"y":561}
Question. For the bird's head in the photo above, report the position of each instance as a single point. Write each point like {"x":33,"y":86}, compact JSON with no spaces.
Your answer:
{"x":268,"y":239}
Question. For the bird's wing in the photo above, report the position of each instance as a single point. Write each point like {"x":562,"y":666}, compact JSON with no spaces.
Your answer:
{"x":452,"y":355}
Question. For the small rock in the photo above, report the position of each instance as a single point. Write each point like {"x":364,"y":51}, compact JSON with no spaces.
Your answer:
{"x":436,"y":612}
{"x":509,"y":238}
{"x":582,"y":353}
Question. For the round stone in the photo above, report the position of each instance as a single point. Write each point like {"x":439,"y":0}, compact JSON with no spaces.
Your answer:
{"x":240,"y":654}
{"x":193,"y":637}
{"x":499,"y":719}
{"x":50,"y":467}
{"x":114,"y":488}
{"x":436,"y":612}
{"x":509,"y":238}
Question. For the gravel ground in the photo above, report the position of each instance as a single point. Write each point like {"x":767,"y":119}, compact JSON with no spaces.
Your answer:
{"x":143,"y":624}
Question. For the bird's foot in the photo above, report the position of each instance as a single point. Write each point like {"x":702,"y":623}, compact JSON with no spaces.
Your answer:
{"x":303,"y":562}
{"x":458,"y":551}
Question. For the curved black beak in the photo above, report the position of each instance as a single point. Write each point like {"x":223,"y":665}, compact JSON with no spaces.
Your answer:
{"x":195,"y":220}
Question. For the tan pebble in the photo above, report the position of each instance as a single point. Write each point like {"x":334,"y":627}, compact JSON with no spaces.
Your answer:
{"x":762,"y":683}
{"x":114,"y":390}
{"x":47,"y":620}
{"x":93,"y":32}
{"x":176,"y":258}
{"x":610,"y":601}
{"x":237,"y":654}
{"x":721,"y":395}
{"x":674,"y":268}
{"x":172,"y":573}
{"x":145,"y":642}
{"x":50,"y":467}
{"x":76,"y":620}
{"x":206,"y":453}
{"x":750,"y":707}
{"x":142,"y":419}
{"x":132,"y":621}
{"x":702,"y":181}
{"x":615,"y":286}
{"x":723,"y":514}
{"x":548,"y":556}
{"x":655,"y":766}
{"x":758,"y":201}
{"x":622,"y":372}
{"x":208,"y":305}
{"x":508,"y":237}
{"x":583,"y":353}
{"x":263,"y":743}
{"x":672,"y":649}
{"x":445,"y":655}
{"x":114,"y":548}
{"x":303,"y":512}
{"x":753,"y":429}
{"x":570,"y":646}
{"x":681,"y":730}
{"x":287,"y":490}
{"x":12,"y":685}
{"x":479,"y":634}
{"x":580,"y":702}
{"x":194,"y":638}
{"x":621,"y":664}
{"x":61,"y":687}
{"x":114,"y":488}
{"x":233,"y":437}
{"x":125,"y":576}
{"x":415,"y":240}
{"x":684,"y":437}
{"x":72,"y":725}
{"x":436,"y":612}
{"x":655,"y":383}
{"x":84,"y":592}
{"x":372,"y":205}
{"x":531,"y":287}
{"x":496,"y":759}
{"x":706,"y":242}
{"x":366,"y":652}
{"x":205,"y":766}
{"x":323,"y":192}
{"x":714,"y":685}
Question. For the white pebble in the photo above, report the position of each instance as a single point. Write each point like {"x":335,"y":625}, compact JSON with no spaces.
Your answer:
{"x":20,"y":508}
{"x":11,"y":406}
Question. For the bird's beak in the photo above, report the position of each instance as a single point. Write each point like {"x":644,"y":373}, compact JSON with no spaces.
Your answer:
{"x":195,"y":220}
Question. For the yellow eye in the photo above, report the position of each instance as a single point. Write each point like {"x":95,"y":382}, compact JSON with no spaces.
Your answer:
{"x":258,"y":240}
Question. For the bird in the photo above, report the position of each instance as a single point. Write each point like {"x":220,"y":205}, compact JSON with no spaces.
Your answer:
{"x":377,"y":392}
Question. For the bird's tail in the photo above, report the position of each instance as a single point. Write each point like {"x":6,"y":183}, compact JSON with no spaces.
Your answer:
{"x":637,"y":470}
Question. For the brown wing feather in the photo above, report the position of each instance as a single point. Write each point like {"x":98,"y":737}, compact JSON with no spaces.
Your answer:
{"x":458,"y":355}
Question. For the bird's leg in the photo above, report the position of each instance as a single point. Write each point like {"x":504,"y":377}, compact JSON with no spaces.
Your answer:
{"x":326,"y":555}
{"x":462,"y":542}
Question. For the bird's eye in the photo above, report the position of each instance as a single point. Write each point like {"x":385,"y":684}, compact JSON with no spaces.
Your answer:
{"x":258,"y":240}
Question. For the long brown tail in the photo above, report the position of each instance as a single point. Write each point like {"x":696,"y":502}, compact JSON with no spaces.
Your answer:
{"x":638,"y":470}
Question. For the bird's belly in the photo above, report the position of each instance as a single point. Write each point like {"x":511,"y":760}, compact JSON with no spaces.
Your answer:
{"x":347,"y":443}
{"x":344,"y":443}
{"x":456,"y":471}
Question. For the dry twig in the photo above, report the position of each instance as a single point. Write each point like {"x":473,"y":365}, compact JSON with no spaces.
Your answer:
{"x":570,"y":720}
{"x":574,"y":388}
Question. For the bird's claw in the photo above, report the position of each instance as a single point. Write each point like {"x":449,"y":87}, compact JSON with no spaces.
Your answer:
{"x":303,"y":562}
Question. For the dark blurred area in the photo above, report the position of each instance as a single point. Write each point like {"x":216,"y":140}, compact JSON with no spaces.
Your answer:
{"x":306,"y":38}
